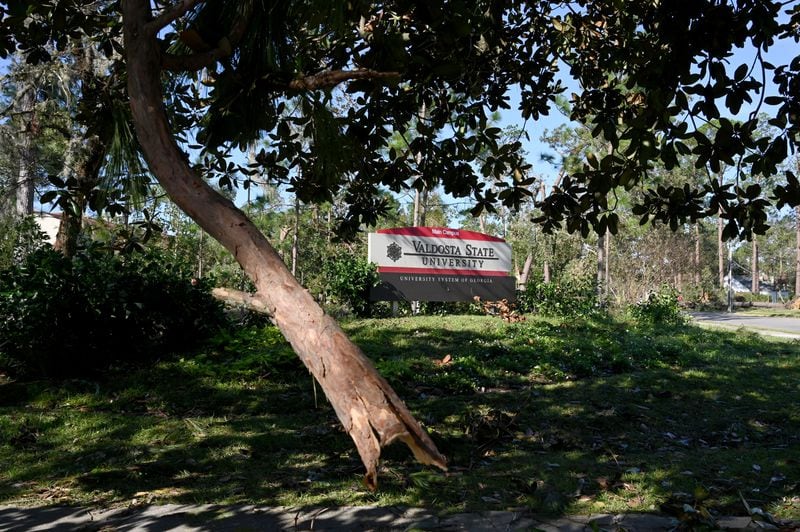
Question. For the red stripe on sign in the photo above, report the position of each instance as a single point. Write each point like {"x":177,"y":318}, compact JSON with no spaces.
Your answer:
{"x":440,"y":232}
{"x":469,"y":273}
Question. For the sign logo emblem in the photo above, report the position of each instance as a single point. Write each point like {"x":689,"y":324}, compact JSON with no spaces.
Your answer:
{"x":394,"y":252}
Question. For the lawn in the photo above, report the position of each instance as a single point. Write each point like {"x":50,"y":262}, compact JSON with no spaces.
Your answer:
{"x":551,"y":416}
{"x":770,"y":311}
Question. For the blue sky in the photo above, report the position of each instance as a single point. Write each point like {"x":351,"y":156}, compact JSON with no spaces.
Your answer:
{"x":781,"y":53}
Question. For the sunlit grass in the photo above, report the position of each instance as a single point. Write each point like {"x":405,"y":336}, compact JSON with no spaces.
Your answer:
{"x":771,"y":311}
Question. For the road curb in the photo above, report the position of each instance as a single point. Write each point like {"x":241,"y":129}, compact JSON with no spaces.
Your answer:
{"x":758,"y":330}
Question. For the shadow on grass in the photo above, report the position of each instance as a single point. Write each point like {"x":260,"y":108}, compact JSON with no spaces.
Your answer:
{"x":543,"y":416}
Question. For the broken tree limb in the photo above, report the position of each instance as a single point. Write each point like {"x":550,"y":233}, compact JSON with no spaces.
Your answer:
{"x":250,"y":301}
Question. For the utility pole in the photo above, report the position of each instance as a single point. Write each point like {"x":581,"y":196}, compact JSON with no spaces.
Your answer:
{"x":720,"y":254}
{"x":730,"y":277}
{"x":697,"y":267}
{"x":797,"y":261}
{"x":755,"y":285}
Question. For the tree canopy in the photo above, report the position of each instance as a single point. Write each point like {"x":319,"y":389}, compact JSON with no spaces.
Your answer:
{"x":650,"y":75}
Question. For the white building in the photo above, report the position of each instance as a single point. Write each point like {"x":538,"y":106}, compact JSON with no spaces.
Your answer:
{"x":741,"y":285}
{"x":48,"y":222}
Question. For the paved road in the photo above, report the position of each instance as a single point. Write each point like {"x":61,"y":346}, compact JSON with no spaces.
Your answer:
{"x":209,"y":518}
{"x":789,"y":327}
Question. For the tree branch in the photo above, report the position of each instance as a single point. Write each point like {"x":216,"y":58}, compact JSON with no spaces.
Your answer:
{"x":9,"y":111}
{"x":170,"y":15}
{"x":200,"y":60}
{"x":193,"y":62}
{"x":254,"y":302}
{"x":332,"y":78}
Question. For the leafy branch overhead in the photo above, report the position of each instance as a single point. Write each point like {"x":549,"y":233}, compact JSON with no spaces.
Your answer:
{"x":651,"y":76}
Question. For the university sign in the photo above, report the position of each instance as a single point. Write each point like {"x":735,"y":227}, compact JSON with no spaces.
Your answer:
{"x":440,"y":264}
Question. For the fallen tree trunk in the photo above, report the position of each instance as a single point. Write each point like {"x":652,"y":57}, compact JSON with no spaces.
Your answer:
{"x":369,"y":409}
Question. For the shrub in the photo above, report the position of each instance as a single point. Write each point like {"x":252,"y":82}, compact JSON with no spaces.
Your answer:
{"x":748,"y":297}
{"x":564,"y":298}
{"x":660,"y":307}
{"x":19,"y":238}
{"x":445,"y":308}
{"x":64,"y":317}
{"x":349,"y":280}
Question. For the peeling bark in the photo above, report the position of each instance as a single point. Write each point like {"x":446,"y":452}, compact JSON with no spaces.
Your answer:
{"x":369,"y":409}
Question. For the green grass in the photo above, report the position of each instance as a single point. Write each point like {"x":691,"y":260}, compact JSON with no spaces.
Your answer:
{"x":769,"y":312}
{"x":550,"y":416}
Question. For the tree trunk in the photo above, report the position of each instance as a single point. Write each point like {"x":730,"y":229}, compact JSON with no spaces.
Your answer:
{"x":84,"y":161}
{"x":423,"y":207}
{"x":84,"y":158}
{"x":720,"y":246}
{"x":607,"y":265}
{"x":522,"y":280}
{"x":369,"y":409}
{"x":420,"y":206}
{"x":420,"y":196}
{"x":797,"y":254}
{"x":415,"y":215}
{"x":754,"y":284}
{"x":697,"y":267}
{"x":69,"y":227}
{"x":601,"y":265}
{"x":603,"y":253}
{"x":24,"y":190}
{"x":200,"y":254}
{"x":295,"y":235}
{"x":548,"y":240}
